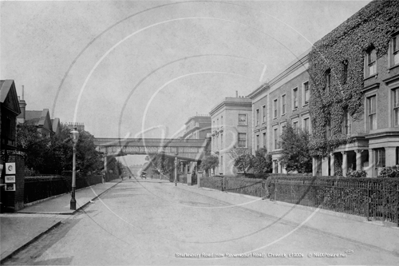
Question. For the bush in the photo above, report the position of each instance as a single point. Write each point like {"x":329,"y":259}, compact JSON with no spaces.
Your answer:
{"x":357,"y":173}
{"x":391,"y":171}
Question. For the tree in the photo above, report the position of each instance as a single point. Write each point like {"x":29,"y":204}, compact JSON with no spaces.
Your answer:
{"x":262,"y":161}
{"x":34,"y":145}
{"x":209,"y":162}
{"x":53,"y":154}
{"x":296,"y":154}
{"x":164,"y":164}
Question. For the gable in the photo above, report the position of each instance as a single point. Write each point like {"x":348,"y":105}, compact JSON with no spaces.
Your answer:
{"x":45,"y":120}
{"x":9,"y":97}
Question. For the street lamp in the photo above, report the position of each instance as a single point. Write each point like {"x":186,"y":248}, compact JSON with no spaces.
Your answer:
{"x":75,"y":137}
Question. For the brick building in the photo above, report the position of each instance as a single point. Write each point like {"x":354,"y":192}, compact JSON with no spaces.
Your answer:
{"x":285,"y":99}
{"x":365,"y":70}
{"x":231,"y":128}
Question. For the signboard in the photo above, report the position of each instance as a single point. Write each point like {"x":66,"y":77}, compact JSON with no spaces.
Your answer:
{"x":10,"y":169}
{"x":9,"y":187}
{"x":9,"y":179}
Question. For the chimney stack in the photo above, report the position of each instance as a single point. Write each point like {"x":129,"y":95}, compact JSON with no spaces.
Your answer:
{"x":22,"y":105}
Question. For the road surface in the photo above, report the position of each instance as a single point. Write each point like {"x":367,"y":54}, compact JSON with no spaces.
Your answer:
{"x":152,"y":222}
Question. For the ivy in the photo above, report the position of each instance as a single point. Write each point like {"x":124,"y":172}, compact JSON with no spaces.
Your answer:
{"x":372,"y":25}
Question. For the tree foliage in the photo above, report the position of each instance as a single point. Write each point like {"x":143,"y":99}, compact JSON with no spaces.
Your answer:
{"x":296,"y":155}
{"x":53,"y":154}
{"x":209,"y":162}
{"x":246,"y":162}
{"x":164,"y":164}
{"x":262,"y":161}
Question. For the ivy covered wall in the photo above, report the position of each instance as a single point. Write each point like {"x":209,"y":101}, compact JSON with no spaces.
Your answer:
{"x":371,"y":26}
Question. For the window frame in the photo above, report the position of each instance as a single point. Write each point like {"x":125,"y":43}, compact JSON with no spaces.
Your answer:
{"x":371,"y":122}
{"x":245,"y":123}
{"x":395,"y":51}
{"x":275,"y":108}
{"x":369,"y":63}
{"x":345,"y":66}
{"x":257,"y":117}
{"x":304,"y":93}
{"x":295,"y":99}
{"x":327,"y":80}
{"x":275,"y":138}
{"x":395,"y":107}
{"x":283,"y":104}
{"x":264,"y":119}
{"x":238,"y":140}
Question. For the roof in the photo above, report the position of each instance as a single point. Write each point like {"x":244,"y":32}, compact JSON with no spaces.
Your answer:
{"x":55,"y":124}
{"x":38,"y":118}
{"x":301,"y":62}
{"x":8,"y":95}
{"x":232,"y":101}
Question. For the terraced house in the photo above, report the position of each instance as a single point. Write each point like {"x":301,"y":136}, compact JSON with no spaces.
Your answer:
{"x":285,"y":99}
{"x":354,"y":103}
{"x":344,"y":91}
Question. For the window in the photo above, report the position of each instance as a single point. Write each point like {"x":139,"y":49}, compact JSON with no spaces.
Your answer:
{"x":275,"y":137}
{"x":380,"y":157}
{"x":242,"y":119}
{"x":257,"y":117}
{"x":242,"y":140}
{"x":346,"y":125}
{"x":264,"y":140}
{"x":257,"y":142}
{"x":221,"y":141}
{"x":370,"y":62}
{"x":306,"y":93}
{"x":283,"y":104}
{"x":264,"y":113}
{"x":344,"y":71}
{"x":275,"y":108}
{"x":395,"y":97}
{"x":295,"y":98}
{"x":397,"y":156}
{"x":327,"y":77}
{"x":371,"y":113}
{"x":328,"y":129}
{"x":395,"y":51}
{"x":221,"y":121}
{"x":306,"y":124}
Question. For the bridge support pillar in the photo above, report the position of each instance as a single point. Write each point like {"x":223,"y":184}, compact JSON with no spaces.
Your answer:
{"x":105,"y":167}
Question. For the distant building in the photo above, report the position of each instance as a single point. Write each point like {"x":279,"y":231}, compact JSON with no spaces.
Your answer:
{"x":39,"y":118}
{"x":231,"y":128}
{"x":73,"y":125}
{"x":197,"y":127}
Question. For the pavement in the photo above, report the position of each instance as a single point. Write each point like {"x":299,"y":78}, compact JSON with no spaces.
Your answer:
{"x":377,"y":234}
{"x":20,"y":229}
{"x":25,"y":226}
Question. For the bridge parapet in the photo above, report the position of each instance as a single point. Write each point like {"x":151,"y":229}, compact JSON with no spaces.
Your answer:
{"x":189,"y":149}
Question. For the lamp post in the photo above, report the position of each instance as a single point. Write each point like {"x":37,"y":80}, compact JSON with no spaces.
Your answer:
{"x":75,"y":137}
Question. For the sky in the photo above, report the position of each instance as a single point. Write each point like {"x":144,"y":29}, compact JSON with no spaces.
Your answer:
{"x":143,"y":68}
